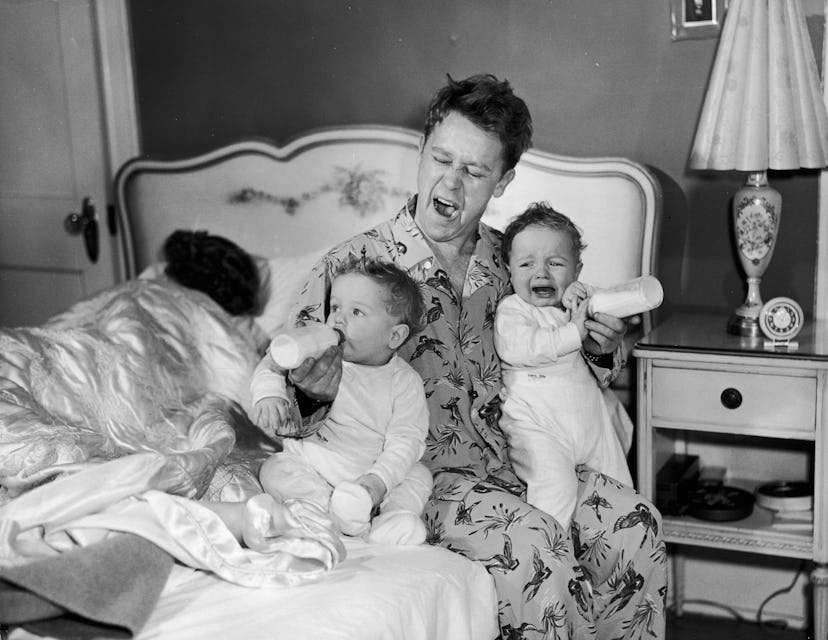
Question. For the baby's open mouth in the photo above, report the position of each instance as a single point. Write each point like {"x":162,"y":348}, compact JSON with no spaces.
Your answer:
{"x":444,"y":207}
{"x":544,"y":292}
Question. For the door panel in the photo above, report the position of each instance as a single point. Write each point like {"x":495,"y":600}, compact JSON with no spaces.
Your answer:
{"x":52,"y":156}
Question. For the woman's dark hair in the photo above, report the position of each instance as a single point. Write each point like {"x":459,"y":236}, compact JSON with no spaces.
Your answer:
{"x":215,"y":266}
{"x":403,"y":299}
{"x":543,"y":215}
{"x":491,"y":105}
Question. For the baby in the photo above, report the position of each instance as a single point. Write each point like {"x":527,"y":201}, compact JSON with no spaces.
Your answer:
{"x":554,"y":413}
{"x":366,"y":451}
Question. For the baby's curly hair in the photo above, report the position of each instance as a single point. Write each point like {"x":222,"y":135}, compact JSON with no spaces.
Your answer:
{"x":215,"y":266}
{"x":403,"y":299}
{"x":543,"y":215}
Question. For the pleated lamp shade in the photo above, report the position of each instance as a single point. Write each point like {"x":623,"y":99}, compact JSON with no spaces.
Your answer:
{"x":764,"y":107}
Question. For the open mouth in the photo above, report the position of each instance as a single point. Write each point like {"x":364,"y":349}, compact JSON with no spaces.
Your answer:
{"x":543,"y":292}
{"x":443,"y":207}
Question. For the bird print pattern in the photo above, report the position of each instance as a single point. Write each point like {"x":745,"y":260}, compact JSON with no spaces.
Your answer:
{"x":604,"y":577}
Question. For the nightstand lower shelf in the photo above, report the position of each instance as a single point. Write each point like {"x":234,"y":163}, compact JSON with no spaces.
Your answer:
{"x":754,"y":535}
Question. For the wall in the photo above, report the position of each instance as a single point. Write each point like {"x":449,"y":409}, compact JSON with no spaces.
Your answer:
{"x":602,"y":77}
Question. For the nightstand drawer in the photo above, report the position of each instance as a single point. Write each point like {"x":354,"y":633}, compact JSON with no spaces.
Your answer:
{"x":732,"y":399}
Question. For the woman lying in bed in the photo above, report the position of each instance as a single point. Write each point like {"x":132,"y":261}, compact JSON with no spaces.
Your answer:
{"x":133,"y":369}
{"x":119,"y":411}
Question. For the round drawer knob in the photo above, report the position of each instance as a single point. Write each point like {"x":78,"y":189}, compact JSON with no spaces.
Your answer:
{"x":731,"y":398}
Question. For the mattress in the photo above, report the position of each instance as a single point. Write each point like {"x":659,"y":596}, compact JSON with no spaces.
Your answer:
{"x":377,"y":593}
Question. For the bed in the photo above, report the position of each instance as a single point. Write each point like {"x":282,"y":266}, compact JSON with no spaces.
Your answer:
{"x":286,"y":205}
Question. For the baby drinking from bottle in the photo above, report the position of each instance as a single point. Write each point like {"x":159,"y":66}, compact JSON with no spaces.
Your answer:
{"x":366,"y":451}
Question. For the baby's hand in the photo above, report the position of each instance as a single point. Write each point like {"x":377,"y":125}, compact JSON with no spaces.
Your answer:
{"x":271,"y":413}
{"x":578,"y":316}
{"x":374,"y":485}
{"x":576,"y":292}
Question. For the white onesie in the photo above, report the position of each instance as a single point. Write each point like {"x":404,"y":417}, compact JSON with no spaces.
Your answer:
{"x":554,"y":413}
{"x":377,"y":424}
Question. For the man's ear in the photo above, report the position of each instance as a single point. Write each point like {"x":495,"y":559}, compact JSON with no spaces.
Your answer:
{"x":504,"y":181}
{"x":399,"y":332}
{"x":578,"y":270}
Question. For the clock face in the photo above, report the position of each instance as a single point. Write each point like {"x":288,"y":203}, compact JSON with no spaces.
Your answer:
{"x":781,"y":319}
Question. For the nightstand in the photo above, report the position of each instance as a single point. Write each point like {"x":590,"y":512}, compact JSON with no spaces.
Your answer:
{"x":759,"y":413}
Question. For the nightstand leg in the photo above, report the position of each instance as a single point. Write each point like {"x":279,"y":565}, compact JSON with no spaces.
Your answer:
{"x":819,"y":583}
{"x":678,"y":581}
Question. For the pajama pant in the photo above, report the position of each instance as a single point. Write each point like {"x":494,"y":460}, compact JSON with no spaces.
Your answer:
{"x":605,"y":578}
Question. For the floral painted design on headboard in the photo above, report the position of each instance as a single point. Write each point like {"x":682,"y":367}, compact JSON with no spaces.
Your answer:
{"x":362,"y":190}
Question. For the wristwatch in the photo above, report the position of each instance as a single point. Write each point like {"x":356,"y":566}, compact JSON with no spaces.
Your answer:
{"x":603,"y":360}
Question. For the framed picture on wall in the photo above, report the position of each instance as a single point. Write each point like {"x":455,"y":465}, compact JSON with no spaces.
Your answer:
{"x":696,"y":18}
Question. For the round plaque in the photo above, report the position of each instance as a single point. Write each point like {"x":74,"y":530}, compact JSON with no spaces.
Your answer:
{"x":781,"y":319}
{"x":720,"y":503}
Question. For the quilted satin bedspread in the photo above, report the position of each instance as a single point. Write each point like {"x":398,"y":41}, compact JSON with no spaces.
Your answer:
{"x":145,"y":367}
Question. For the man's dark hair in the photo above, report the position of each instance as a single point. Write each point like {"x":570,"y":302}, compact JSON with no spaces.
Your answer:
{"x":542,"y":215}
{"x":213,"y":265}
{"x":491,"y":105}
{"x":403,"y":299}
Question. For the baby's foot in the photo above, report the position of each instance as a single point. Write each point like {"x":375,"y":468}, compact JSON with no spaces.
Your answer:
{"x":264,"y":519}
{"x":268,"y":523}
{"x":351,"y":507}
{"x":397,"y":527}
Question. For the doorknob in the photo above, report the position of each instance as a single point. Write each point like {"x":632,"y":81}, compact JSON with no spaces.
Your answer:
{"x":85,"y":222}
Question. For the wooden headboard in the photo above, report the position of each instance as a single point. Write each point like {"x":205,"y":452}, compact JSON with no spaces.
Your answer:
{"x":325,"y":186}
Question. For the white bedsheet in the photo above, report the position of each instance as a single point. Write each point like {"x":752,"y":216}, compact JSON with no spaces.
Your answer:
{"x":377,"y":593}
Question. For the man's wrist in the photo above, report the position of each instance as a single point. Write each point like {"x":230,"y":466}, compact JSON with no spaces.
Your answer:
{"x":603,"y":360}
{"x":307,"y":405}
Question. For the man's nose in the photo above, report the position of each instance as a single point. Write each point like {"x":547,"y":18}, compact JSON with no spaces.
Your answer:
{"x":453,"y":177}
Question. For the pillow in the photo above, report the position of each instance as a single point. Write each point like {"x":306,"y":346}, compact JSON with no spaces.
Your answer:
{"x":153,"y":272}
{"x":282,"y":277}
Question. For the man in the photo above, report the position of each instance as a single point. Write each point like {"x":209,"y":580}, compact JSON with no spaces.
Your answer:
{"x":604,"y":578}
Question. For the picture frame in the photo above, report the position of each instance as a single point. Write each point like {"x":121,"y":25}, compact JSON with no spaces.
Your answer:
{"x":694,"y":19}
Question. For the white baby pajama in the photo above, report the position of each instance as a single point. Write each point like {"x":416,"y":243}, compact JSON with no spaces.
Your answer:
{"x":377,"y":424}
{"x":554,"y":413}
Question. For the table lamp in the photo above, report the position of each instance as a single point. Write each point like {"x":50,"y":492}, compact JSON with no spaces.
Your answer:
{"x":763,"y":110}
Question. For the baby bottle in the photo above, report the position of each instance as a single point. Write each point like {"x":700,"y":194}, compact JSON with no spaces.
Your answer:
{"x":290,"y":347}
{"x":628,"y":298}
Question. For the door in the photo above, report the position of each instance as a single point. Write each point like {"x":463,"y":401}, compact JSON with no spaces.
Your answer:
{"x":57,"y":243}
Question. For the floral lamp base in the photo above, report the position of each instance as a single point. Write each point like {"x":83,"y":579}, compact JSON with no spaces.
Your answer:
{"x":757,"y":208}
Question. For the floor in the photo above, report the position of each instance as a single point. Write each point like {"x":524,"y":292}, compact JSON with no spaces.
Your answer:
{"x":697,"y":627}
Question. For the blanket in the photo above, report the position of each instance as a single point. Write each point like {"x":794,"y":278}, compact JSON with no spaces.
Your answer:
{"x":145,"y":366}
{"x":116,"y":417}
{"x":107,"y":589}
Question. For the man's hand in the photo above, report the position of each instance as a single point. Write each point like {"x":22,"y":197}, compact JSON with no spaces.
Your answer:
{"x":318,"y":378}
{"x":604,"y":333}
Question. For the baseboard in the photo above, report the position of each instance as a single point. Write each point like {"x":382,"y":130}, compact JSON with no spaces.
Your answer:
{"x":769,"y":615}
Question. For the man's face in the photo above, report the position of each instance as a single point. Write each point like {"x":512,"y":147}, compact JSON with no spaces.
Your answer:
{"x":460,"y":169}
